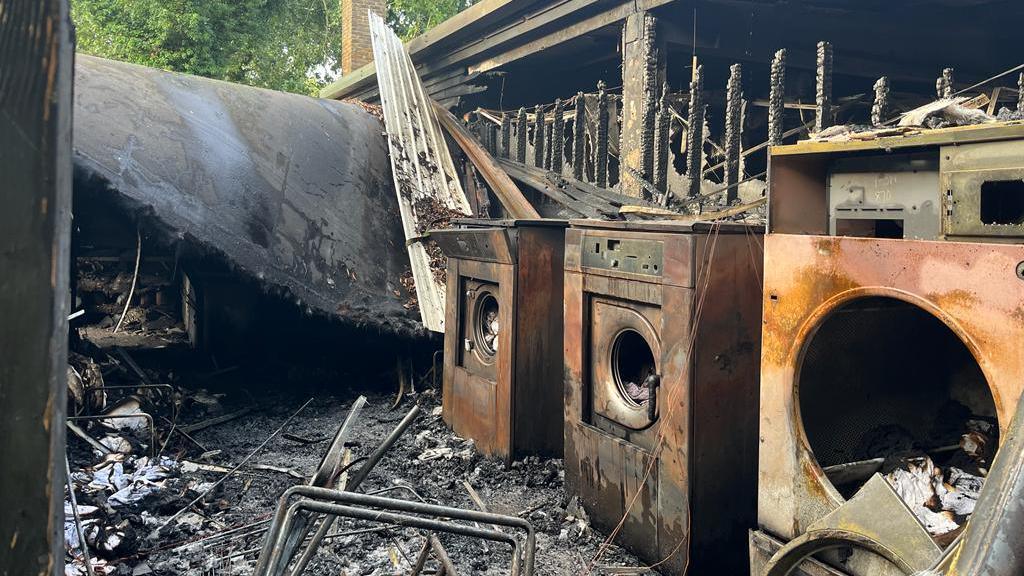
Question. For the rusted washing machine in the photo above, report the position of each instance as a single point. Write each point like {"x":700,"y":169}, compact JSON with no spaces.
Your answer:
{"x":662,"y":341}
{"x":502,"y":349}
{"x":893,"y":323}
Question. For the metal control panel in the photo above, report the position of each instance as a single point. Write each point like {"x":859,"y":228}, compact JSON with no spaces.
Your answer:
{"x":894,"y":196}
{"x":628,"y":255}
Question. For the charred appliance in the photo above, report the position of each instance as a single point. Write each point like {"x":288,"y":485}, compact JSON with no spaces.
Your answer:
{"x":662,"y":325}
{"x":893,"y":330}
{"x":503,"y":353}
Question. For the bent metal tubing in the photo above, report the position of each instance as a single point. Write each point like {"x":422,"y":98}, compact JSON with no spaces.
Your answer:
{"x":270,"y":554}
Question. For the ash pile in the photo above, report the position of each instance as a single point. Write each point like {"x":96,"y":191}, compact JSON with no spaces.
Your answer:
{"x":178,"y":465}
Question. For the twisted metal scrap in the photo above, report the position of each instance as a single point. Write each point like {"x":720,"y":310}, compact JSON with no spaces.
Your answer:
{"x":823,"y":113}
{"x":661,"y":143}
{"x":557,"y":132}
{"x":579,"y":132}
{"x":521,"y":129}
{"x":733,"y":129}
{"x":777,"y":98}
{"x":601,"y":152}
{"x":538,"y":137}
{"x":880,"y":108}
{"x":695,"y":133}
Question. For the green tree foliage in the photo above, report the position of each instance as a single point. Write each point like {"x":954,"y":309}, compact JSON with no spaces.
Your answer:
{"x":291,"y":45}
{"x":410,"y":18}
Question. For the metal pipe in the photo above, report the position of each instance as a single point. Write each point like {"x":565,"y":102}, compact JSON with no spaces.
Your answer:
{"x":377,"y":454}
{"x":326,"y":476}
{"x":354,"y":482}
{"x":272,"y":547}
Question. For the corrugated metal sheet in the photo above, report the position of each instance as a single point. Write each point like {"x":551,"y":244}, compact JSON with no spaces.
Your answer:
{"x":425,"y":179}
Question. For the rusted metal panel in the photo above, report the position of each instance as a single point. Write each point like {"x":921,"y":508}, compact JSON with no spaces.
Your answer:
{"x":680,"y":503}
{"x":972,"y":207}
{"x":505,"y":392}
{"x":972,"y":288}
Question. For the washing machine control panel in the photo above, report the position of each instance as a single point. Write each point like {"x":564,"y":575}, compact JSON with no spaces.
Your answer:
{"x":629,"y":255}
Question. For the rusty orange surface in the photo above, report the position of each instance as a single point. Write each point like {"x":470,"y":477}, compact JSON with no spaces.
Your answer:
{"x":683,"y":488}
{"x":972,"y":288}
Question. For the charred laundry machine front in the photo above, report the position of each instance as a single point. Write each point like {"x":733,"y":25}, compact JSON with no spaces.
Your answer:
{"x":662,"y":325}
{"x":503,"y":355}
{"x":893,"y":329}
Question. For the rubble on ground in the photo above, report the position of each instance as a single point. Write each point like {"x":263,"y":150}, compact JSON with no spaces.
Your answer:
{"x":127,"y":495}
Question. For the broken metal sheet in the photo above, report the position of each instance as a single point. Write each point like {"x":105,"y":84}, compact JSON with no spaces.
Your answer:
{"x":429,"y":193}
{"x":289,"y":190}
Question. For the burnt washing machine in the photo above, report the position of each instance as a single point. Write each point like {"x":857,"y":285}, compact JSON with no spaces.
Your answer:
{"x":893,"y":344}
{"x":502,"y":348}
{"x":662,"y":341}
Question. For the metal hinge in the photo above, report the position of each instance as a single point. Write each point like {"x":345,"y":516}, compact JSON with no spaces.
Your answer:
{"x":949,"y":203}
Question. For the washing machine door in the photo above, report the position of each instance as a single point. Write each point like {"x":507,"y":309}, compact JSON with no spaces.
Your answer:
{"x":625,"y":359}
{"x":480,"y":327}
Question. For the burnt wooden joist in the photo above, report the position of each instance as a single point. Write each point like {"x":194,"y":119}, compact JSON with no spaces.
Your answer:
{"x":36,"y":53}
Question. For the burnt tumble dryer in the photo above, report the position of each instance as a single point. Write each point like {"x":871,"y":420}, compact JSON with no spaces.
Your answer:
{"x":893,"y":344}
{"x":662,"y":340}
{"x":502,"y":349}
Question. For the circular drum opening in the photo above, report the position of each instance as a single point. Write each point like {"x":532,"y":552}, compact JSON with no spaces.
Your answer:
{"x":486,"y":326}
{"x":632,"y":363}
{"x":882,"y":379}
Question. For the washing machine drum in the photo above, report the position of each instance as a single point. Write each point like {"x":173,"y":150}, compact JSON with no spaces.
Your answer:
{"x":882,"y":378}
{"x":624,"y":356}
{"x":481,"y":327}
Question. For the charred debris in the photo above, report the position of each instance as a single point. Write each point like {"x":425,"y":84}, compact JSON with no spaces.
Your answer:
{"x":253,"y":379}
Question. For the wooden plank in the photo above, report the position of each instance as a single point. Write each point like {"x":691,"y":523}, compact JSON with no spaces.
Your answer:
{"x":937,"y":137}
{"x":529,"y":177}
{"x":481,"y":12}
{"x":546,"y":15}
{"x":36,"y":56}
{"x":663,"y":213}
{"x":565,"y":34}
{"x":426,"y":182}
{"x":504,"y":188}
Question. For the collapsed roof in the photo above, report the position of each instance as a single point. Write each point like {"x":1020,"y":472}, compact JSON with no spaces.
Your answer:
{"x":293,"y":191}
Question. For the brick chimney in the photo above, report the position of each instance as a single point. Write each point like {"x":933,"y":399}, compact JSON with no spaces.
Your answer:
{"x":356,"y":49}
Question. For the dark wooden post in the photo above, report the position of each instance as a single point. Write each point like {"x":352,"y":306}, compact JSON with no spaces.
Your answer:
{"x":36,"y":57}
